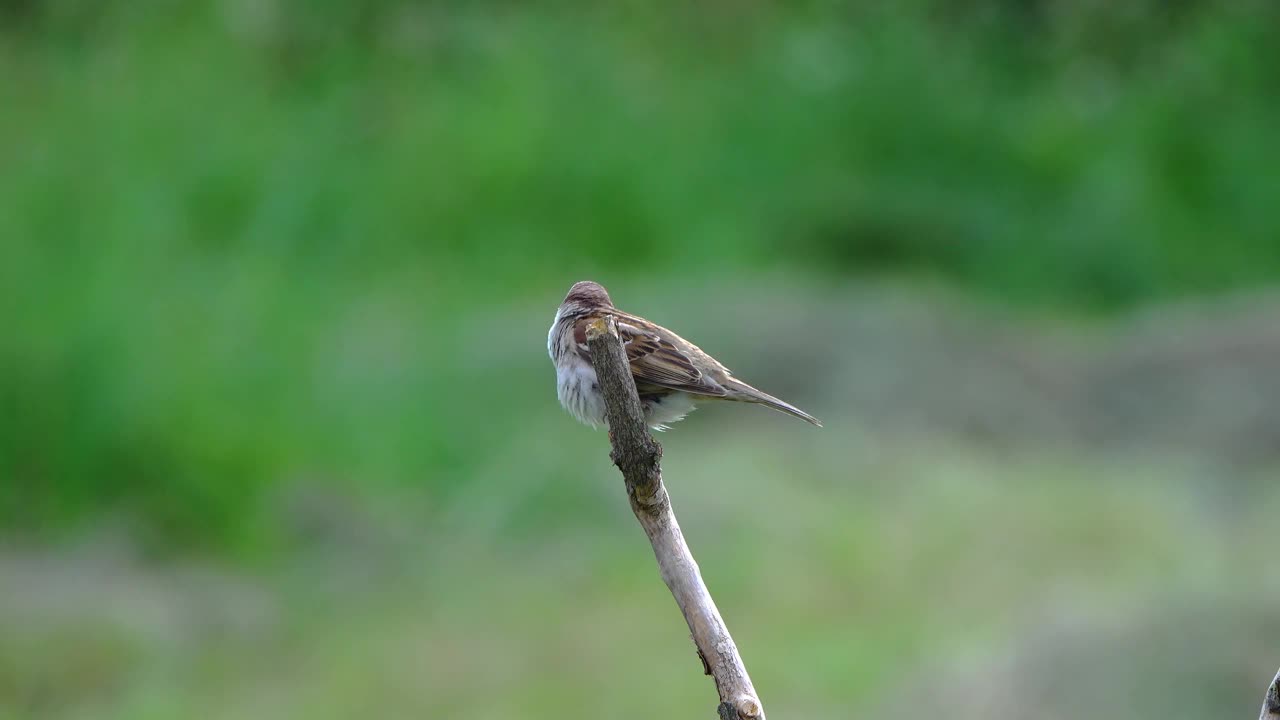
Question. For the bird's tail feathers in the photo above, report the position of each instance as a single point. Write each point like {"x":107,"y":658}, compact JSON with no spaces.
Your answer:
{"x":739,"y":390}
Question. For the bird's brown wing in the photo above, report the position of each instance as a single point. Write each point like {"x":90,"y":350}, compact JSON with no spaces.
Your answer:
{"x":655,"y":360}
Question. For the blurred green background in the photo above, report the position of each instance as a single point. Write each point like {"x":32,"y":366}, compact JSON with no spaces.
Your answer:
{"x":278,"y":432}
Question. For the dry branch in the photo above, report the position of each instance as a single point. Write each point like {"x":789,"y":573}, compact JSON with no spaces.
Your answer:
{"x":1271,"y":704}
{"x":639,"y":456}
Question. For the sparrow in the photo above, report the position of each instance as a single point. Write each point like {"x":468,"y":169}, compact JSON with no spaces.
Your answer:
{"x":671,"y":374}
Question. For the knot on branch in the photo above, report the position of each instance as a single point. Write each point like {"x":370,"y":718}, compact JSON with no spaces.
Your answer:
{"x":641,"y":465}
{"x":748,"y":709}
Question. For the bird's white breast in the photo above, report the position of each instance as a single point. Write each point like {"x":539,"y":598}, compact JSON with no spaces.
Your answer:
{"x":578,"y":391}
{"x":576,"y":385}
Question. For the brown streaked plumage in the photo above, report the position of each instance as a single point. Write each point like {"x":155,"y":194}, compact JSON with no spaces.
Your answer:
{"x":671,"y":373}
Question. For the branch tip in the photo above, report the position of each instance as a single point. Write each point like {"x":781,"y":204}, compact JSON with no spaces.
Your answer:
{"x":600,"y":326}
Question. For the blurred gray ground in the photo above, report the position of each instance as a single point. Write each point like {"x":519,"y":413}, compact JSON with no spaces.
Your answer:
{"x":1197,"y":378}
{"x":1176,"y":662}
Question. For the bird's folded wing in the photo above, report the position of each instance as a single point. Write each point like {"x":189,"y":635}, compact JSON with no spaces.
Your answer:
{"x":657,"y":361}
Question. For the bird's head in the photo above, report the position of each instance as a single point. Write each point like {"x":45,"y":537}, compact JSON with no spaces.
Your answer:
{"x":587,"y":295}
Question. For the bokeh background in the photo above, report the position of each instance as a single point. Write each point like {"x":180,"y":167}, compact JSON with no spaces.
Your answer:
{"x":278,"y":433}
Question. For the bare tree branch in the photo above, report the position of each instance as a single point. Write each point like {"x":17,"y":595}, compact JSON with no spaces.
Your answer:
{"x":1271,"y":704}
{"x":639,"y":456}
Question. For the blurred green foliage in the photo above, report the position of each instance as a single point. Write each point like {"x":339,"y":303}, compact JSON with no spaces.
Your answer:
{"x":245,"y":241}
